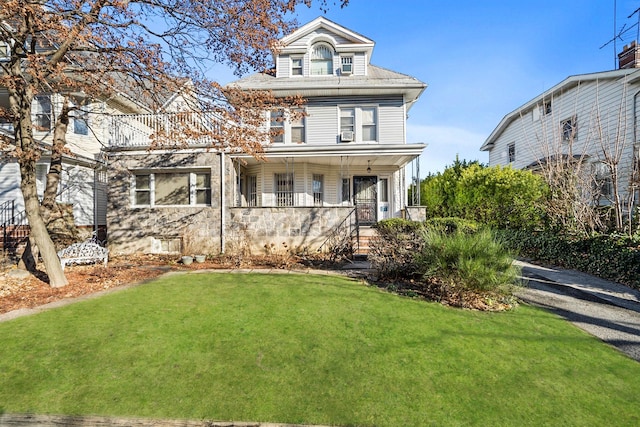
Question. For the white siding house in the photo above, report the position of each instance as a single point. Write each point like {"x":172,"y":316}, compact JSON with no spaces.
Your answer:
{"x":83,"y":180}
{"x":589,"y":117}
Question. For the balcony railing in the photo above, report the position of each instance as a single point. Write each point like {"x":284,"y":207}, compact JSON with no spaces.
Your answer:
{"x":164,"y":129}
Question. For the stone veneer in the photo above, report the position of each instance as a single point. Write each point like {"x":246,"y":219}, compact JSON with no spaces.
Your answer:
{"x":415,"y":213}
{"x":197,"y":229}
{"x":278,"y":228}
{"x":142,"y":229}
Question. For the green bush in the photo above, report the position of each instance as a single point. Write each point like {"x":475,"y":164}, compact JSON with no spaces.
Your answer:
{"x":476,"y":262}
{"x":451,"y":225}
{"x":500,"y":197}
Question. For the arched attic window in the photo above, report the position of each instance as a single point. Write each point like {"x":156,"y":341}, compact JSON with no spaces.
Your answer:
{"x":321,"y":59}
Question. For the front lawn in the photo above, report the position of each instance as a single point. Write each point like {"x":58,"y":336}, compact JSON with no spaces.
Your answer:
{"x":309,"y":349}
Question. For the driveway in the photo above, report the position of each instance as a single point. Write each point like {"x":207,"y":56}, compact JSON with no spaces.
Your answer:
{"x":605,"y":309}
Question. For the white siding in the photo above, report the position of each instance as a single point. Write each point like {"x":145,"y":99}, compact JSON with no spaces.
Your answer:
{"x":321,"y":124}
{"x":597,"y":107}
{"x":10,"y":183}
{"x":360,"y":61}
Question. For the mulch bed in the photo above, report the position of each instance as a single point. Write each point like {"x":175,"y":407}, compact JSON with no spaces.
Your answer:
{"x":34,"y":291}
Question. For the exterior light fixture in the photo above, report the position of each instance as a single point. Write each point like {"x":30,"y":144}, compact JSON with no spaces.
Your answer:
{"x":368,"y":166}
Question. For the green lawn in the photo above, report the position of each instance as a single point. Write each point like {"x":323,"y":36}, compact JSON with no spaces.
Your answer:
{"x":309,"y":349}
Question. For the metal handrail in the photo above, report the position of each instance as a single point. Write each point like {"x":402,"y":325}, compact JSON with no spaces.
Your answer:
{"x":340,"y":226}
{"x":14,"y":225}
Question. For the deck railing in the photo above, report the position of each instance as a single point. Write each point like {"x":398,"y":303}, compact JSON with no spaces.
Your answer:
{"x":142,"y":130}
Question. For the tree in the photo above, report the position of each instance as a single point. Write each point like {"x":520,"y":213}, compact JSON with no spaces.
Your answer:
{"x":97,"y":49}
{"x":438,"y":192}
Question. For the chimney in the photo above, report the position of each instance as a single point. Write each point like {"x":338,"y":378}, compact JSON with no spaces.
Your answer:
{"x":630,"y":56}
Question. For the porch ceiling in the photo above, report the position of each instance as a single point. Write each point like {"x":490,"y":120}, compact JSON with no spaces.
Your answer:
{"x":344,"y":154}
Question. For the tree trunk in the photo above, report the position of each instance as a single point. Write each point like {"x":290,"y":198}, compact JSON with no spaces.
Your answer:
{"x":55,"y":167}
{"x":38,"y":229}
{"x":21,"y":101}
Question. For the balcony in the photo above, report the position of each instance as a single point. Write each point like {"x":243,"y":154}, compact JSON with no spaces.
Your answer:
{"x":164,"y":130}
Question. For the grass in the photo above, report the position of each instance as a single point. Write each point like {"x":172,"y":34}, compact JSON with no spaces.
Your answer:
{"x":309,"y":349}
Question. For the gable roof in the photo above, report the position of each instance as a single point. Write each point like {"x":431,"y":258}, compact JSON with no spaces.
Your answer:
{"x":340,"y":37}
{"x":567,"y":83}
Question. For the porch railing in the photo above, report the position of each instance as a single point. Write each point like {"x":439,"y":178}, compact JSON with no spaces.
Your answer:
{"x":141,"y":130}
{"x":14,"y":227}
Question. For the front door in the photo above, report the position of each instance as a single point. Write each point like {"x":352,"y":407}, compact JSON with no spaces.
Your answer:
{"x":365,"y":198}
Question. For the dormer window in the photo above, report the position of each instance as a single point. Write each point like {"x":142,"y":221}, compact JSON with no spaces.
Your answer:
{"x":321,"y":60}
{"x":346,"y":63}
{"x":296,"y":66}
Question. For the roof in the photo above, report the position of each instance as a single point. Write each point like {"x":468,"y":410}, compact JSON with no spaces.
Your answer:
{"x":379,"y":81}
{"x":355,"y":41}
{"x":567,"y":83}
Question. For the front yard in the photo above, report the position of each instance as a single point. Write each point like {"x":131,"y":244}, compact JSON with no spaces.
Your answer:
{"x":309,"y":349}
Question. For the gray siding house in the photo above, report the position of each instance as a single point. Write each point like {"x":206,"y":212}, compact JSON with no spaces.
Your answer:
{"x":342,"y":165}
{"x":589,"y":118}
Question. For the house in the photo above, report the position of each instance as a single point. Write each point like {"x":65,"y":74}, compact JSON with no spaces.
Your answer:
{"x":589,"y":118}
{"x":83,"y":181}
{"x":338,"y":165}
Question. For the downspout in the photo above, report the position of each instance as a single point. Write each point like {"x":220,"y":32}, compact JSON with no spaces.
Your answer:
{"x":635,"y":117}
{"x":222,"y":203}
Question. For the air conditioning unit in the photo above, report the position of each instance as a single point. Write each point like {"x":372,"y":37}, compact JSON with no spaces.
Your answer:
{"x":346,"y":136}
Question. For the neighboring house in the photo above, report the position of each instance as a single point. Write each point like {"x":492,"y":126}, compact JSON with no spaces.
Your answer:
{"x":343,"y":164}
{"x":585,"y":118}
{"x":83,"y":180}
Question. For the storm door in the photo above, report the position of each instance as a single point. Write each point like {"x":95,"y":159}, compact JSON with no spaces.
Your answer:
{"x":365,"y":198}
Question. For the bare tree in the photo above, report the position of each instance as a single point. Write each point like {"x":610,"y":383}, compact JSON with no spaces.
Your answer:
{"x":96,"y":49}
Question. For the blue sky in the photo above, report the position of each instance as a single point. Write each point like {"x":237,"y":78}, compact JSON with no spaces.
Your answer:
{"x":481,"y":59}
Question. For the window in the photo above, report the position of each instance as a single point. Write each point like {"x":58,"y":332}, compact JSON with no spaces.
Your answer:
{"x":346,"y":190}
{"x":511,"y":152}
{"x":81,"y":121}
{"x":360,"y":123}
{"x":143,"y":190}
{"x":318,"y":189}
{"x":384,"y":190}
{"x":284,"y":189}
{"x":347,"y":64}
{"x":569,"y":129}
{"x":296,"y":66}
{"x":5,"y":51}
{"x":172,"y":189}
{"x":41,"y":109}
{"x":203,"y":189}
{"x":252,"y":190}
{"x":546,"y":108}
{"x":369,"y":132}
{"x":603,"y":183}
{"x":276,"y":127}
{"x":297,"y":129}
{"x":347,"y":119}
{"x":321,"y":60}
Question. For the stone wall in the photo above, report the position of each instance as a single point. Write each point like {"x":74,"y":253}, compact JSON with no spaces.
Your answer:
{"x":161,"y":229}
{"x":415,"y":213}
{"x":260,"y":229}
